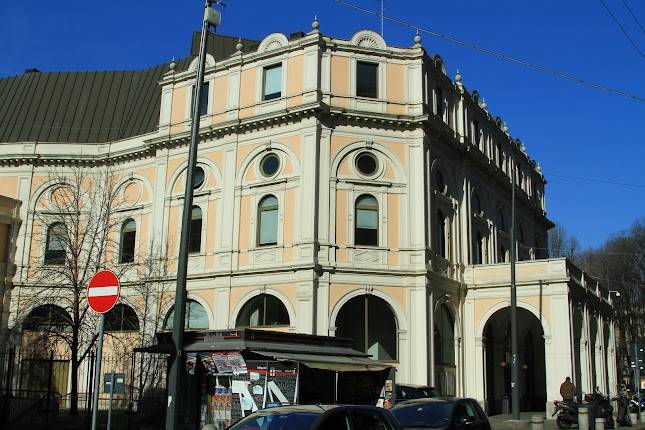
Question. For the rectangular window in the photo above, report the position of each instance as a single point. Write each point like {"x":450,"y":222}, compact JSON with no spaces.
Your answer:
{"x":195,"y":238}
{"x":272,"y":82}
{"x":203,"y":100}
{"x":269,"y":227}
{"x":367,"y":79}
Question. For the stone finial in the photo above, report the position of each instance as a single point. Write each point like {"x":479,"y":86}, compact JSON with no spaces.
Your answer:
{"x":504,"y":128}
{"x":458,"y":77}
{"x":173,"y":65}
{"x":239,"y":45}
{"x":417,"y":40}
{"x":484,"y":105}
{"x":315,"y":25}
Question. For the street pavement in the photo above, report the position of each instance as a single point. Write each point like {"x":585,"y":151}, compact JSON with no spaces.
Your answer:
{"x":505,"y":422}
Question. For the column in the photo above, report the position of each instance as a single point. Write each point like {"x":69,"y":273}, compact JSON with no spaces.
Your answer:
{"x":584,"y":354}
{"x":557,"y":351}
{"x":418,"y":334}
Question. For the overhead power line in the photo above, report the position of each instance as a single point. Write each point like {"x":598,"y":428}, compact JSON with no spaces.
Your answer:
{"x":622,"y":29}
{"x":602,"y":181}
{"x":631,"y":12}
{"x":498,"y":54}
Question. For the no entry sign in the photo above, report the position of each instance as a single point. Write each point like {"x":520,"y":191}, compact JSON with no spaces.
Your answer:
{"x":103,"y":291}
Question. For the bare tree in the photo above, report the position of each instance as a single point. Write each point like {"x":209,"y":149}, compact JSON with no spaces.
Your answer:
{"x":562,"y":244}
{"x":75,"y":224}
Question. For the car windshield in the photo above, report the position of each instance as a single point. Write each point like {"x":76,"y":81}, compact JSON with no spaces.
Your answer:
{"x":428,"y":415}
{"x":275,"y":421}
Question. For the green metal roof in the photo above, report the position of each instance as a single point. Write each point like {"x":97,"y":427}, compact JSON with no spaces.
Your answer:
{"x":91,"y":107}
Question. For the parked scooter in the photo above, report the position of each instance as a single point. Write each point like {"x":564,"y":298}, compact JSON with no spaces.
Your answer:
{"x":622,"y":412}
{"x":598,"y":405}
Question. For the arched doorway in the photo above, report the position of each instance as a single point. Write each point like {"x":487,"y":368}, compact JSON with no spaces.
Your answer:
{"x":370,"y":322}
{"x":444,"y":351}
{"x":530,"y":346}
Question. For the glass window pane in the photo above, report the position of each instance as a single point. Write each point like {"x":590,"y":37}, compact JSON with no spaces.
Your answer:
{"x":366,"y":79}
{"x":196,"y":317}
{"x":272,"y":82}
{"x":350,"y":322}
{"x":269,"y":227}
{"x":274,"y":312}
{"x":203,"y":100}
{"x":366,"y":218}
{"x":381,"y":325}
{"x":195,"y":240}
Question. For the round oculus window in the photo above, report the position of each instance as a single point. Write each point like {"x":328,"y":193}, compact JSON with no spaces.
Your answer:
{"x":270,"y":164}
{"x":198,"y":177}
{"x":366,"y":163}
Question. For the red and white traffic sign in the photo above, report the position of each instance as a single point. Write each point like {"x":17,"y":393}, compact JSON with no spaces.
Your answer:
{"x":103,"y":291}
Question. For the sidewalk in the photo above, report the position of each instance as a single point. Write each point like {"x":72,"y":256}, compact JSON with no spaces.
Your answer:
{"x":505,"y":422}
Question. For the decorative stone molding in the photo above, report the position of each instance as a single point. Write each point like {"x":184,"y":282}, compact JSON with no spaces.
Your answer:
{"x":272,"y":42}
{"x":368,"y":39}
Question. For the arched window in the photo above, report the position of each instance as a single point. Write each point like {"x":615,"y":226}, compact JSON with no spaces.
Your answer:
{"x":441,"y":235}
{"x":439,"y":181}
{"x":48,"y":318}
{"x":128,"y":239}
{"x":195,"y":240}
{"x":478,"y":251}
{"x":500,"y":221}
{"x":444,"y":337}
{"x":370,"y":322}
{"x":121,"y":318}
{"x":263,"y":311}
{"x":366,"y":229}
{"x":477,"y":205}
{"x":55,"y":248}
{"x":268,"y":221}
{"x":196,"y":317}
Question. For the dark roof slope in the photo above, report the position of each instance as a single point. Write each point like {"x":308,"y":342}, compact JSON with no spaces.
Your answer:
{"x":90,"y":107}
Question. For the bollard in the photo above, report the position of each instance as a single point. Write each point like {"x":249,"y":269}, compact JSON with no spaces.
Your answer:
{"x":537,"y":422}
{"x":633,"y":417}
{"x":583,"y":418}
{"x":600,"y":424}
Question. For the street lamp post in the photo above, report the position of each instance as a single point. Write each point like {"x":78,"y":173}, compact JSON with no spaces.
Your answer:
{"x":211,"y":18}
{"x":515,"y":386}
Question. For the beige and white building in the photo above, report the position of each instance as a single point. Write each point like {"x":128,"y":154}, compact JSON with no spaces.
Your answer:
{"x":345,"y":187}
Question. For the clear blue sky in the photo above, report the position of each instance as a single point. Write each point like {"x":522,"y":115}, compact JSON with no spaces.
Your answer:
{"x":569,"y":129}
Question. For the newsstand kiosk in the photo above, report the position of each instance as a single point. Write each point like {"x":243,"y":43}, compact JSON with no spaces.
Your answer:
{"x":232,"y":373}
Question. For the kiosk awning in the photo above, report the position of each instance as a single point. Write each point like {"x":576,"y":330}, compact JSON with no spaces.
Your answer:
{"x":328,"y":362}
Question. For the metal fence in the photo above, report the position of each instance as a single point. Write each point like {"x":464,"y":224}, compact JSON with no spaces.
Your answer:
{"x":36,"y":389}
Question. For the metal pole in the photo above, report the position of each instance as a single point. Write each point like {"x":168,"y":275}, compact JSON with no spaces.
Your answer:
{"x":88,"y":395}
{"x":49,"y":388}
{"x":97,"y":371}
{"x":175,"y":375}
{"x":637,"y":374}
{"x":515,"y":386}
{"x":109,"y":423}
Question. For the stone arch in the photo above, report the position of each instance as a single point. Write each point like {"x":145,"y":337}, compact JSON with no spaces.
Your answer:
{"x":505,"y":304}
{"x":144,"y":183}
{"x":397,"y":309}
{"x":270,"y":291}
{"x":272,"y":42}
{"x":181,"y":169}
{"x":448,"y":175}
{"x":368,"y":39}
{"x":40,"y":192}
{"x":349,"y":149}
{"x":259,"y":151}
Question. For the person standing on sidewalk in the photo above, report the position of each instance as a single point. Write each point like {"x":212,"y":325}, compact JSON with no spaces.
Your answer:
{"x":567,"y":390}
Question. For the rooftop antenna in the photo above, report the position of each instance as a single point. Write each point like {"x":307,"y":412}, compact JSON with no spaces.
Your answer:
{"x":382,"y":8}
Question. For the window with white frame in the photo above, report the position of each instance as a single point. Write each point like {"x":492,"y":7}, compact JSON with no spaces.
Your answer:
{"x":272,"y":82}
{"x":56,"y":245}
{"x":203,"y":99}
{"x":367,"y":79}
{"x":195,"y":239}
{"x":128,"y":241}
{"x":366,"y":229}
{"x":268,"y":221}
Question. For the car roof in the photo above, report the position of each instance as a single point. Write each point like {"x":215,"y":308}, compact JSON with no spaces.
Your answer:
{"x":431,"y":400}
{"x":314,"y":409}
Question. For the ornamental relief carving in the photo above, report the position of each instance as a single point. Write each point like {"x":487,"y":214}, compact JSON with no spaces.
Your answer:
{"x":445,"y":202}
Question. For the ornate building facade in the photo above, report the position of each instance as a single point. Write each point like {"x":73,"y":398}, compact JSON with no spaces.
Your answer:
{"x":344,"y":188}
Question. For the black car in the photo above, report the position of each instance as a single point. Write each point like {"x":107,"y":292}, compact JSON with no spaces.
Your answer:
{"x":452,"y":414}
{"x":409,"y":392}
{"x":319,"y":417}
